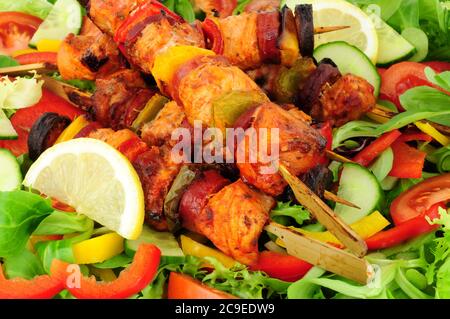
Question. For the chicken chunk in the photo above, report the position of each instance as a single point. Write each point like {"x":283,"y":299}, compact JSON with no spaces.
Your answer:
{"x":233,"y":220}
{"x":299,"y":146}
{"x":346,"y":100}
{"x":87,"y":57}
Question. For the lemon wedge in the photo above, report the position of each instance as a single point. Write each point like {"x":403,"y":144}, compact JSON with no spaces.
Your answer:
{"x":361,"y":33}
{"x":96,"y":180}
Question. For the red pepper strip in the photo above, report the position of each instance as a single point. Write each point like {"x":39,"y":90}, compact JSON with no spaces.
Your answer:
{"x":143,"y":12}
{"x":326,"y":130}
{"x":403,"y":232}
{"x":41,"y":287}
{"x":371,"y":152}
{"x":132,"y":280}
{"x":408,"y":161}
{"x":132,"y":148}
{"x":37,"y":57}
{"x":213,"y":35}
{"x":281,"y":266}
{"x":418,"y":136}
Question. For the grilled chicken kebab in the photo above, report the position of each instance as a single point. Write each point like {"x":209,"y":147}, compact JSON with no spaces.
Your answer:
{"x":199,"y":83}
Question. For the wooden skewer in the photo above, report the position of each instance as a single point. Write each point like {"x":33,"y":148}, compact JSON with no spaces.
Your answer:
{"x":324,"y":214}
{"x":40,"y":68}
{"x":320,"y":30}
{"x":333,"y":197}
{"x":323,"y":255}
{"x":336,"y":157}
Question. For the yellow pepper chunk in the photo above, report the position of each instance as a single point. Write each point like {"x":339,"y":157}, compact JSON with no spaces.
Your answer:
{"x":427,"y":128}
{"x":193,"y":248}
{"x":167,"y":63}
{"x":23,"y":51}
{"x":46,"y":45}
{"x":366,"y":228}
{"x":98,"y":249}
{"x":73,"y":129}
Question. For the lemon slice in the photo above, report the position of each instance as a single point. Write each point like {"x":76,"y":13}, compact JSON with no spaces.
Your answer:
{"x":96,"y":180}
{"x":361,"y":32}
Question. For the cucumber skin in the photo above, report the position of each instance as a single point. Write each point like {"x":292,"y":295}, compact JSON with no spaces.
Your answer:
{"x":403,"y":58}
{"x":377,"y":76}
{"x":378,"y":191}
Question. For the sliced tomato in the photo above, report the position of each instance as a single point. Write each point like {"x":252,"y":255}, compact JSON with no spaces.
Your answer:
{"x":41,"y":287}
{"x":371,"y":152}
{"x":24,"y":119}
{"x":420,"y":198}
{"x":185,"y":287}
{"x":37,"y":57}
{"x":401,"y":77}
{"x":131,"y":280}
{"x":281,"y":266}
{"x":408,"y":161}
{"x":438,"y":66}
{"x":16,"y":30}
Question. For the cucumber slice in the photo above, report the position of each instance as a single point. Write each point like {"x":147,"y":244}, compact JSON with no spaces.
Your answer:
{"x":165,"y":241}
{"x":350,"y":59}
{"x":7,"y":131}
{"x":65,"y":17}
{"x":359,"y":186}
{"x":420,"y":40}
{"x":10,"y":173}
{"x":392,"y":46}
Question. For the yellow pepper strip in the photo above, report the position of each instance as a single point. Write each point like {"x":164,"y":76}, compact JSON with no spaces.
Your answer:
{"x":106,"y":275}
{"x":98,"y":249}
{"x":167,"y":63}
{"x":193,"y":248}
{"x":73,"y":129}
{"x":46,"y":45}
{"x":366,"y":228}
{"x":23,"y":51}
{"x":427,"y":128}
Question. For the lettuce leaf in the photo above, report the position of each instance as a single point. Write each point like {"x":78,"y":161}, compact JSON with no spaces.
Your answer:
{"x":37,"y":8}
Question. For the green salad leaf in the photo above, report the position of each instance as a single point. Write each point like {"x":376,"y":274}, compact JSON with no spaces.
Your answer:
{"x":24,"y":264}
{"x":119,"y":261}
{"x":62,"y":223}
{"x":354,"y":129}
{"x":296,"y":212}
{"x":6,"y":61}
{"x":38,"y":8}
{"x":20,"y":214}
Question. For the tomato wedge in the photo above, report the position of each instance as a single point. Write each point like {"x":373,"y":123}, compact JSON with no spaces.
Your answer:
{"x":24,"y":119}
{"x":132,"y":280}
{"x":401,"y":77}
{"x":409,"y":229}
{"x":417,"y":200}
{"x":16,"y":30}
{"x":371,"y":152}
{"x":41,"y":287}
{"x":37,"y":57}
{"x":281,"y":266}
{"x":185,"y":287}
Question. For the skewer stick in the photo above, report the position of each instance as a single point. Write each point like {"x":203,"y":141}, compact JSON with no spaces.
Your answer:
{"x":333,"y":197}
{"x":324,"y":214}
{"x":320,"y":30}
{"x":40,"y":68}
{"x":336,"y":157}
{"x":323,"y":255}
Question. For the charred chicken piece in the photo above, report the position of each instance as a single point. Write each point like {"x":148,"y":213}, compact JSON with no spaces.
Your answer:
{"x":299,"y":146}
{"x":87,"y":57}
{"x":234,"y":219}
{"x":159,"y":131}
{"x":318,"y":179}
{"x":200,"y":82}
{"x":119,"y":98}
{"x":346,"y":100}
{"x":108,"y":15}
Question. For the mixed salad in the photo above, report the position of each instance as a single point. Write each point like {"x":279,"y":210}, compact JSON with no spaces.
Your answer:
{"x":93,"y":203}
